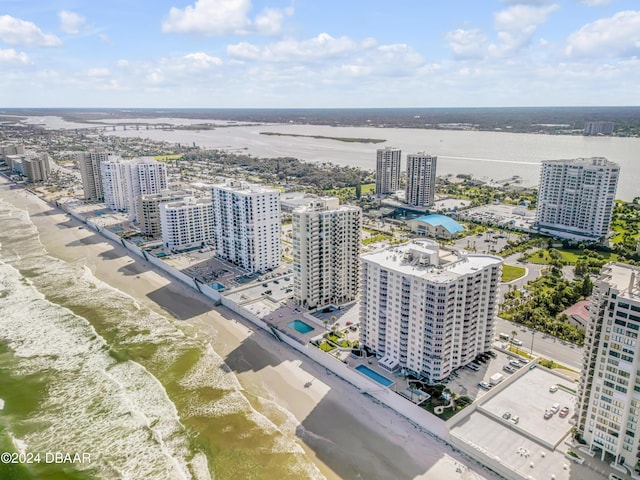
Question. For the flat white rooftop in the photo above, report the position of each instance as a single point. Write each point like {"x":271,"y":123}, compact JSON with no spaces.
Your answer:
{"x":425,"y":259}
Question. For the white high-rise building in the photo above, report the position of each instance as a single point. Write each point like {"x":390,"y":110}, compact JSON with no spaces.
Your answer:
{"x":124,"y":181}
{"x":187,"y":223}
{"x":89,"y":164}
{"x":421,"y":179}
{"x":576,"y":197}
{"x":115,"y":183}
{"x":426,"y":309}
{"x":247,"y":225}
{"x":609,"y":389}
{"x":148,"y":210}
{"x":387,"y":170}
{"x":146,"y":176}
{"x":326,"y":248}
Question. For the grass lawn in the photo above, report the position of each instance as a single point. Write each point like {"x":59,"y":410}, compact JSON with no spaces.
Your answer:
{"x":569,"y":256}
{"x":164,"y":158}
{"x":511,"y":272}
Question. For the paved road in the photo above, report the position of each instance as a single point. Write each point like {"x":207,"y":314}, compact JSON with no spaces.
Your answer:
{"x":544,"y":345}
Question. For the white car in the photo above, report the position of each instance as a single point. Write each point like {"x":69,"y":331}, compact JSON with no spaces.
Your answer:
{"x":553,"y":388}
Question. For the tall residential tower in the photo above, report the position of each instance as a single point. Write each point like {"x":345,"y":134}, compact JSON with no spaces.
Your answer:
{"x":247,"y":225}
{"x":388,"y":170}
{"x":426,"y":309}
{"x":609,"y":389}
{"x":421,"y":179}
{"x":326,"y":248}
{"x":89,"y":164}
{"x":575,"y":198}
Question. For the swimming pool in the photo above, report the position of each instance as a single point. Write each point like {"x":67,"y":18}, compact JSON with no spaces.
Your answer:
{"x":375,"y":376}
{"x":300,"y":327}
{"x":217,"y":286}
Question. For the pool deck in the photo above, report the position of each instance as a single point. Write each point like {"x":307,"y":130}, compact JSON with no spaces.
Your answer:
{"x":280,"y":317}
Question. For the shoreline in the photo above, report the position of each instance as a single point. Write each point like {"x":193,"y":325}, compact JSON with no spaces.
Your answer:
{"x":343,"y":439}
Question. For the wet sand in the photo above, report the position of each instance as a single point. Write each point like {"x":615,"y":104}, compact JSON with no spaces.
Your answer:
{"x":343,"y":432}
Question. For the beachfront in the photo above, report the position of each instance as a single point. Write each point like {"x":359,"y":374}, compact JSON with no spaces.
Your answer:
{"x":341,"y":437}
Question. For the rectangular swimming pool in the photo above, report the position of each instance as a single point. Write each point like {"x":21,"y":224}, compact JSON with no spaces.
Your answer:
{"x":375,"y":376}
{"x":300,"y":327}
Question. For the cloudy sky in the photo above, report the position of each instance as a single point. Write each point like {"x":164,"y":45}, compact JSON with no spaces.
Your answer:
{"x":318,"y":53}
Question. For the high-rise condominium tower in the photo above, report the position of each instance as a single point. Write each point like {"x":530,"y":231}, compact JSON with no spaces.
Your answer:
{"x":326,"y":247}
{"x":609,"y":389}
{"x":148,"y":210}
{"x":387,"y":170}
{"x":575,"y":197}
{"x":427,"y":310}
{"x":124,"y":181}
{"x":89,"y":164}
{"x":187,"y":223}
{"x":421,"y":179}
{"x":247,"y":225}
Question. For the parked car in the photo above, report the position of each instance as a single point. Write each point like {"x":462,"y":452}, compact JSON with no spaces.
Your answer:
{"x":547,"y":414}
{"x":553,"y":388}
{"x":564,"y":412}
{"x":555,"y":407}
{"x":509,"y":368}
{"x":484,"y":385}
{"x":515,"y":419}
{"x":515,"y":363}
{"x":516,"y":342}
{"x":492,"y":354}
{"x":506,"y":415}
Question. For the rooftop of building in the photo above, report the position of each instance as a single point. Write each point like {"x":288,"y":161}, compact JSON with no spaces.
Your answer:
{"x":437,"y":220}
{"x":624,"y":278}
{"x":580,"y":309}
{"x":424,"y":258}
{"x":243,"y":188}
{"x":587,"y":162}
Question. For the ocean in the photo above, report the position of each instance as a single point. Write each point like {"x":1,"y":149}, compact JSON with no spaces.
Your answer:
{"x":86,"y":369}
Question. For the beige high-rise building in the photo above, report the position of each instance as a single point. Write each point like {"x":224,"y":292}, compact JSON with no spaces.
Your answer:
{"x":37,"y":168}
{"x":421,"y":179}
{"x":427,"y":310}
{"x":89,"y":164}
{"x":388,"y":170}
{"x":609,"y":388}
{"x":326,"y":247}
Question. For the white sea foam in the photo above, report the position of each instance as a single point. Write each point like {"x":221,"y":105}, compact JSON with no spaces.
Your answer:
{"x":1,"y":404}
{"x":118,"y":411}
{"x":210,"y":371}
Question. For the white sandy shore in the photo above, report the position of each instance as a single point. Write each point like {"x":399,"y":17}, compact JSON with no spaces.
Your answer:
{"x":345,"y":433}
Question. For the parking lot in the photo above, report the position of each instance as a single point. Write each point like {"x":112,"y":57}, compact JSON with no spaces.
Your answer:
{"x":466,"y":381}
{"x":532,"y":446}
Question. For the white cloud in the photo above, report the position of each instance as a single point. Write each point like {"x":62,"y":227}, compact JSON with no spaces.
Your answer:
{"x":466,"y":43}
{"x":516,"y":27}
{"x":223,"y":17}
{"x":202,"y":60}
{"x":614,"y":36}
{"x":11,"y":56}
{"x":305,"y":51}
{"x":522,"y":16}
{"x":15,"y":31}
{"x":70,"y":22}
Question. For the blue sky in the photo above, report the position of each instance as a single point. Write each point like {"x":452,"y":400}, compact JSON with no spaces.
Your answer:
{"x":318,"y":53}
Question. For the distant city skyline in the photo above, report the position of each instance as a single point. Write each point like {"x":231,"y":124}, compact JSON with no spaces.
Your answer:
{"x":285,"y":53}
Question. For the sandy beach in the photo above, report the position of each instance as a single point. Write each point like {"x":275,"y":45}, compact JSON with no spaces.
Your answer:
{"x":345,"y":433}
